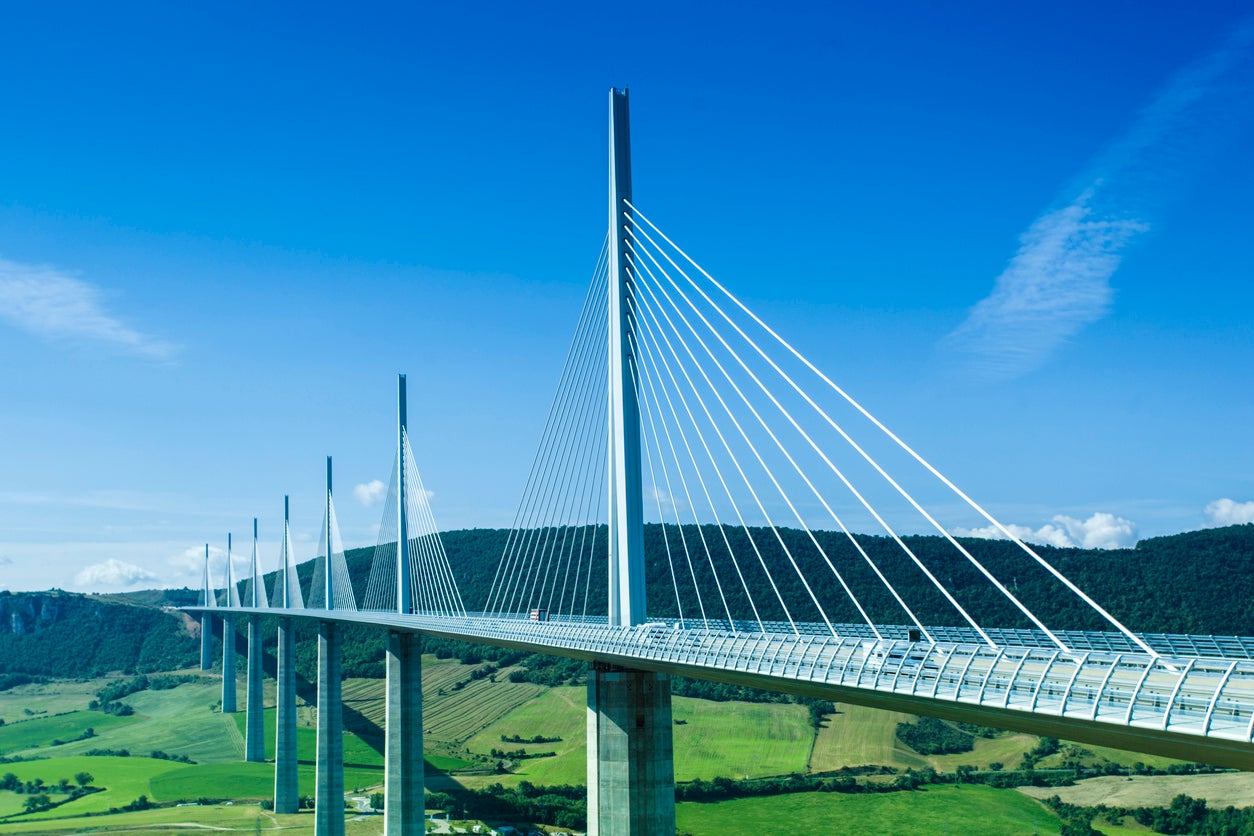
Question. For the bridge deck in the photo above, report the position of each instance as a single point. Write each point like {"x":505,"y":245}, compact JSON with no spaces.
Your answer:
{"x":1184,"y":705}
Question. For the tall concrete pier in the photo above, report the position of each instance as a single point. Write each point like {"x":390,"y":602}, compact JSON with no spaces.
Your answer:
{"x":206,"y":641}
{"x":255,"y":728}
{"x":631,"y":771}
{"x":329,"y":781}
{"x":404,"y":805}
{"x":286,"y":794}
{"x":228,"y":665}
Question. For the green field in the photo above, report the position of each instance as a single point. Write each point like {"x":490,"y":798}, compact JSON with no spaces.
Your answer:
{"x":466,"y":718}
{"x":123,"y":780}
{"x":244,"y":818}
{"x":960,"y":811}
{"x":40,"y":732}
{"x":52,"y":697}
{"x":357,"y":752}
{"x":855,"y":736}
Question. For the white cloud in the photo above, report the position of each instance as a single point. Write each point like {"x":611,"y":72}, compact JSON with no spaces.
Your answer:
{"x":113,"y":573}
{"x":52,"y":304}
{"x":1100,"y":531}
{"x":1230,"y":512}
{"x":370,"y":493}
{"x":1059,"y":280}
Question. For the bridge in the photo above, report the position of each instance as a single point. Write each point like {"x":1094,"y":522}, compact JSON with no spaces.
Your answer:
{"x":680,"y":407}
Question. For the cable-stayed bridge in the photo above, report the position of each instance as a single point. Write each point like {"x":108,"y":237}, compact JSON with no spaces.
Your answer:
{"x":691,"y":447}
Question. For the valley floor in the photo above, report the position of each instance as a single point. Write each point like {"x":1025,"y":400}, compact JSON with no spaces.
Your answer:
{"x":469,"y":722}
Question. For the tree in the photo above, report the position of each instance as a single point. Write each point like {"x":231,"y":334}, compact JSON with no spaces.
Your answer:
{"x":376,"y":801}
{"x":84,"y":779}
{"x":35,"y":803}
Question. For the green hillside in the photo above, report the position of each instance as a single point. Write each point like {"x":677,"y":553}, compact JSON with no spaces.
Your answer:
{"x":1210,"y":574}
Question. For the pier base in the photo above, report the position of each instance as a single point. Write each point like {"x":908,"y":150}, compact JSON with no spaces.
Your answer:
{"x":631,"y":768}
{"x":404,"y":804}
{"x":255,"y":725}
{"x":329,"y":769}
{"x":286,"y":794}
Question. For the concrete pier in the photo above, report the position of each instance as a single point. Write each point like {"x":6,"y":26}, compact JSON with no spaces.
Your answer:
{"x":631,"y":769}
{"x":329,"y":781}
{"x":206,"y":641}
{"x":228,"y":666}
{"x":255,"y":726}
{"x":403,"y":802}
{"x":286,"y":794}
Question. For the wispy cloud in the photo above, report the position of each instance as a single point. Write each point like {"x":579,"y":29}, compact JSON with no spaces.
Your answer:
{"x":1058,"y":281}
{"x":1099,"y":531}
{"x":1230,"y":512}
{"x":55,"y":305}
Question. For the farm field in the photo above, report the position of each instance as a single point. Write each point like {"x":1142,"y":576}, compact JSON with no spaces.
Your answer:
{"x":467,"y":718}
{"x":123,"y":780}
{"x":967,"y":810}
{"x":855,"y":735}
{"x":51,"y":697}
{"x":40,"y":732}
{"x":1232,"y":789}
{"x":168,"y":821}
{"x":556,"y":712}
{"x":732,"y":739}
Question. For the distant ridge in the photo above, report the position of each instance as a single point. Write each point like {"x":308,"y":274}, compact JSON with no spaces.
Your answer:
{"x":1195,"y":582}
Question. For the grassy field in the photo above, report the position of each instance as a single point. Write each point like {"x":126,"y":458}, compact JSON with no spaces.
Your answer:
{"x":123,"y":780}
{"x":179,"y":721}
{"x":52,"y":697}
{"x":40,"y":732}
{"x":466,"y":718}
{"x":357,"y":752}
{"x":556,"y":712}
{"x":739,"y":740}
{"x":245,"y":781}
{"x":180,"y":821}
{"x":1232,"y":789}
{"x":733,"y":739}
{"x":960,"y":811}
{"x":857,"y":735}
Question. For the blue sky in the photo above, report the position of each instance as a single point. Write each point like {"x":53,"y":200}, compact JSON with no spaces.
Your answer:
{"x":1019,"y":233}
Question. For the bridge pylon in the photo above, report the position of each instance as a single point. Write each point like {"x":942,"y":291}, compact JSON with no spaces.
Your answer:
{"x":254,"y":738}
{"x":228,"y":637}
{"x":286,"y":792}
{"x":631,"y":771}
{"x":206,"y":620}
{"x":329,"y":767}
{"x":403,"y":804}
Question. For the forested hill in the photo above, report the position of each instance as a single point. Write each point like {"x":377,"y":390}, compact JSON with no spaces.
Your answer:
{"x":1197,"y":582}
{"x":66,"y":634}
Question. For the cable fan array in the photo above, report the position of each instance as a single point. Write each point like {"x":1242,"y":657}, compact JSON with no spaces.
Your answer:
{"x":775,"y":500}
{"x":554,"y":557}
{"x":432,"y":590}
{"x":342,"y":597}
